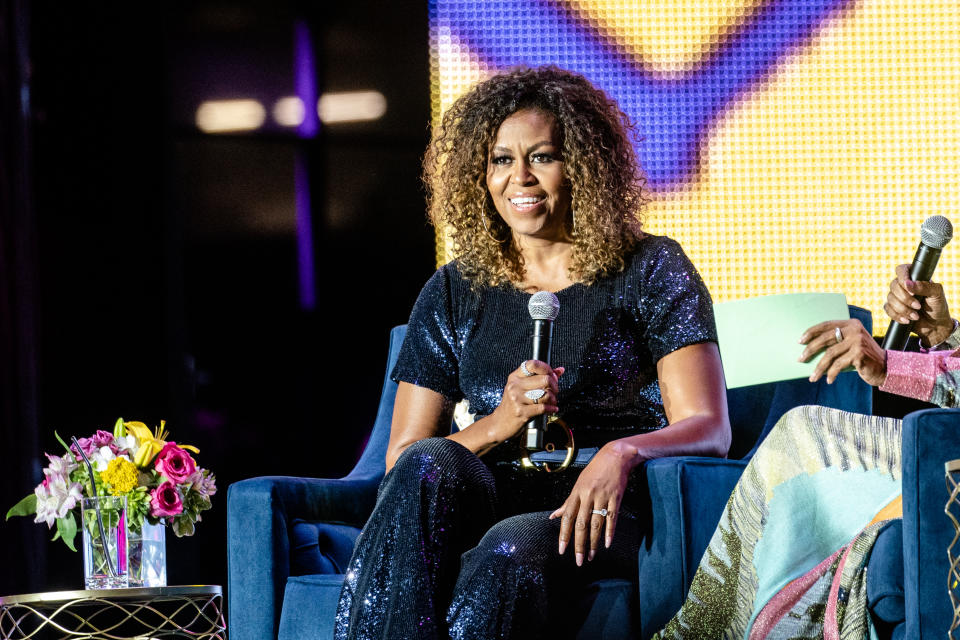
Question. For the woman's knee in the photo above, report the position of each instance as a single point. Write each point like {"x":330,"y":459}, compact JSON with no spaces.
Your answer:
{"x":441,"y":461}
{"x":529,"y":538}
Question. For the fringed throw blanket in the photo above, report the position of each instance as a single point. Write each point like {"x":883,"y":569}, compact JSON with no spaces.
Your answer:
{"x":788,"y":556}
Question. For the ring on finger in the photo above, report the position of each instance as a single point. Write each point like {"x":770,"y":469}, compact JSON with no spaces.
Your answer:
{"x":600,"y":512}
{"x":523,"y":368}
{"x":838,"y":335}
{"x":535,"y":395}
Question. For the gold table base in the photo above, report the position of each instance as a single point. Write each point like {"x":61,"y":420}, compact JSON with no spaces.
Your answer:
{"x":115,"y":614}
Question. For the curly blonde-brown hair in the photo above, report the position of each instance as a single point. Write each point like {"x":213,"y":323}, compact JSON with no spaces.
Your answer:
{"x":600,"y":164}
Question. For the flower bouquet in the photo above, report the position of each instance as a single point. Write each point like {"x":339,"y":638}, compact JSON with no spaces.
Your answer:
{"x":161,"y":482}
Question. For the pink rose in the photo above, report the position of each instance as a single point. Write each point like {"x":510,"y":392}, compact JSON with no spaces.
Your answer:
{"x":165,"y":501}
{"x":175,"y":463}
{"x":102,"y":438}
{"x":87,"y":445}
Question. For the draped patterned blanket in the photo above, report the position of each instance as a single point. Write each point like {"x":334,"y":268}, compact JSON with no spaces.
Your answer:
{"x":787,"y":559}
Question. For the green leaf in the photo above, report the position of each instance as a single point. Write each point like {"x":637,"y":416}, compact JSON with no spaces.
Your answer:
{"x":67,"y":529}
{"x":119,"y":431}
{"x":60,"y":440}
{"x":26,"y":507}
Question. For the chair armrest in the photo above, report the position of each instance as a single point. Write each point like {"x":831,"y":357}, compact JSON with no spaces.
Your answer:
{"x":259,"y":511}
{"x":931,"y":437}
{"x":687,"y":497}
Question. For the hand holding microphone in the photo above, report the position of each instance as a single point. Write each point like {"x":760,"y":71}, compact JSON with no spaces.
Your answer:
{"x":903,"y":304}
{"x":921,"y":305}
{"x":544,"y":308}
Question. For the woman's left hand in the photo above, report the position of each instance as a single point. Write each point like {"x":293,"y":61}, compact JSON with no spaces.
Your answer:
{"x":845,"y":343}
{"x":600,"y":486}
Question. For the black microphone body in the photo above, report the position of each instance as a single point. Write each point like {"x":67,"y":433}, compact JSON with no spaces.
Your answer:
{"x":543,"y":308}
{"x":542,"y":343}
{"x":935,"y":233}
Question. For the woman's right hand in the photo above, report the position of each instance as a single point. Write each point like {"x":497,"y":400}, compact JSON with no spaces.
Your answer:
{"x":515,"y":408}
{"x":922,"y":303}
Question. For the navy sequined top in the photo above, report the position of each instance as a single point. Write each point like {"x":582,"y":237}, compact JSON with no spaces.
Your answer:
{"x":609,"y":336}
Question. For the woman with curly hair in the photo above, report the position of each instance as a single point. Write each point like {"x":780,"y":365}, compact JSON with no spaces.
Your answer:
{"x":533,"y":174}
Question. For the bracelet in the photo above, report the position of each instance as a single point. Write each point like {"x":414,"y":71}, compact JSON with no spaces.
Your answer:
{"x":952,"y":342}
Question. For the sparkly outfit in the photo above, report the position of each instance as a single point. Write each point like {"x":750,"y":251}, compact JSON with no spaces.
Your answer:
{"x":461,"y":546}
{"x":931,"y":377}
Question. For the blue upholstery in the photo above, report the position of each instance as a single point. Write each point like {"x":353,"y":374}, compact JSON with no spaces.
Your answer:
{"x":288,"y":538}
{"x":907,"y":571}
{"x":930,"y":438}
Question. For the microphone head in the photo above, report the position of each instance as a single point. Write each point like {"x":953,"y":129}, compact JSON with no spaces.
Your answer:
{"x":936,"y":232}
{"x":544,"y":305}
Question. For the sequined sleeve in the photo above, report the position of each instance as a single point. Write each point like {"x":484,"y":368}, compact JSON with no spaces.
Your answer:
{"x":429,"y":356}
{"x":932,"y":377}
{"x":675,"y":304}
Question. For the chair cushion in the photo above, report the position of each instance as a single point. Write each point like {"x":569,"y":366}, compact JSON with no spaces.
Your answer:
{"x":608,"y":611}
{"x":309,"y":606}
{"x":320,"y":548}
{"x":885,"y":595}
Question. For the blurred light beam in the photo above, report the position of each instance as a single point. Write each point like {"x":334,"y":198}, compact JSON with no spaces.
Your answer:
{"x":221,"y":116}
{"x":289,"y":111}
{"x":351,"y":106}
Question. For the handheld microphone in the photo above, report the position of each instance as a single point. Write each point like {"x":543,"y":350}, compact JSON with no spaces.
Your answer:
{"x":935,"y":233}
{"x":543,"y":308}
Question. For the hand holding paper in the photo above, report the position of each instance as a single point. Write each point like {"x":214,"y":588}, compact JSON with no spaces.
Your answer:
{"x":758,"y":336}
{"x":842,"y":345}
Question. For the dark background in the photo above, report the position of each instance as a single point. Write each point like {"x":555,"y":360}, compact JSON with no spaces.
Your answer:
{"x":149,"y":271}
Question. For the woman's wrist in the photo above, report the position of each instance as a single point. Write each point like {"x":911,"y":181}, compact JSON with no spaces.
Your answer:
{"x":946,"y":338}
{"x":626,"y":453}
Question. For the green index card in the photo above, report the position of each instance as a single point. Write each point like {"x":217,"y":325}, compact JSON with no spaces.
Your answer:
{"x":758,"y":336}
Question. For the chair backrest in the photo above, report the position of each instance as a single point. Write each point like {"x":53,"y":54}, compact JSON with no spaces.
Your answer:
{"x":755,"y":409}
{"x":372,"y":463}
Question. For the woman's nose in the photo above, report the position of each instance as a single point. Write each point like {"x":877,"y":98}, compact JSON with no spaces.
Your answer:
{"x":521,"y":174}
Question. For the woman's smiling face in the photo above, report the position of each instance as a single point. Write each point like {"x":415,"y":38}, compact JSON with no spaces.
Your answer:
{"x":525,"y":176}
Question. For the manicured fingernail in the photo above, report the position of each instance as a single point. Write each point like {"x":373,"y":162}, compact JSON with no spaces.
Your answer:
{"x":904,"y":320}
{"x":914,"y":316}
{"x":915,"y":304}
{"x":562,"y":547}
{"x":590,"y":555}
{"x":608,"y":541}
{"x":579,"y":559}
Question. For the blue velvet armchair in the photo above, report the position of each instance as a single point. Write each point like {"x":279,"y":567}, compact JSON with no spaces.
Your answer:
{"x":289,"y":539}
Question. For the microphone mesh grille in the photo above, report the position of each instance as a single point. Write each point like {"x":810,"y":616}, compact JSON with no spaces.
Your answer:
{"x":544,"y":305}
{"x":936,"y":232}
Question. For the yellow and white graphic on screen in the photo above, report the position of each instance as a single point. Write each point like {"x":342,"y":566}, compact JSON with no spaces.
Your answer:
{"x":817,"y":177}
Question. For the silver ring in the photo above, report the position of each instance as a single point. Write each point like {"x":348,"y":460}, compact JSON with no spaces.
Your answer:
{"x":838,"y":335}
{"x":535,"y":395}
{"x":600,"y":512}
{"x":526,"y":372}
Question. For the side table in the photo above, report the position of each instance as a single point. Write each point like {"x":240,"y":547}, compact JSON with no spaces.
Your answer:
{"x":115,"y":614}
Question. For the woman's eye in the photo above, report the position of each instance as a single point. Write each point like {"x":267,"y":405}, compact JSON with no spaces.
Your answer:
{"x":500,"y":160}
{"x":542,"y":157}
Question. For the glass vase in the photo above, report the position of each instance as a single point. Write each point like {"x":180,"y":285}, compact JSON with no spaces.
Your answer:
{"x":105,"y":550}
{"x":148,"y":556}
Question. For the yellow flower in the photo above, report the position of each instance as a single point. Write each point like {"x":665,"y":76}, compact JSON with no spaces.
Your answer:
{"x":121,"y":475}
{"x":150,"y":443}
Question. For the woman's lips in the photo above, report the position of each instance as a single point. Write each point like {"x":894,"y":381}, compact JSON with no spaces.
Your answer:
{"x":526,"y":203}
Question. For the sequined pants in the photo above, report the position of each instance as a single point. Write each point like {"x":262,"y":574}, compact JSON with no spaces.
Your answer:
{"x":441,"y":556}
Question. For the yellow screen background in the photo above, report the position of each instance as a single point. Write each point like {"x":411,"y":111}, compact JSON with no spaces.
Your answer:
{"x":815,"y":179}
